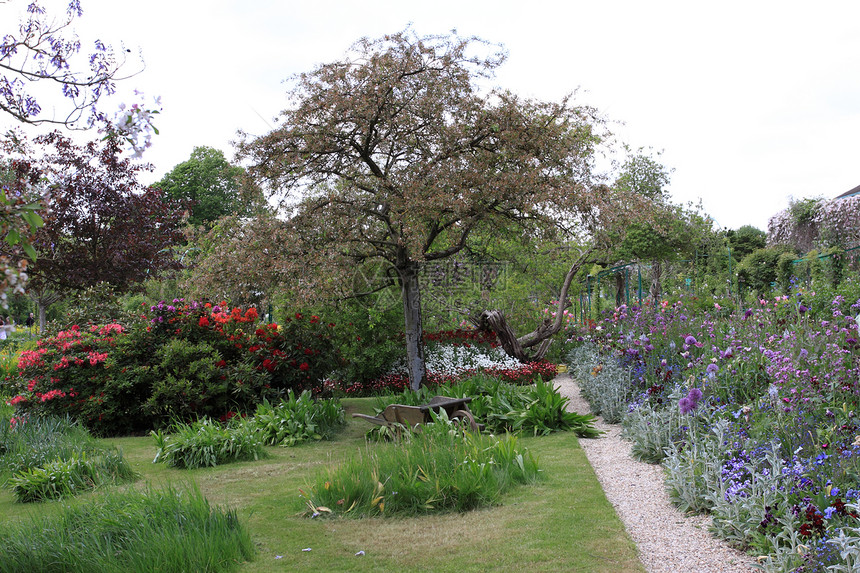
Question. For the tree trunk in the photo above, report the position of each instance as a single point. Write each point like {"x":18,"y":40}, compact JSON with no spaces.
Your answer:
{"x":541,"y":337}
{"x":656,"y":288}
{"x":414,"y":333}
{"x":43,"y":299}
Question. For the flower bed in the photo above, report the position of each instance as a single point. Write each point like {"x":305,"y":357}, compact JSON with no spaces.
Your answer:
{"x":751,"y":413}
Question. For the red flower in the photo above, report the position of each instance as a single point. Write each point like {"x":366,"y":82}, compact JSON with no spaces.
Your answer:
{"x":304,"y":366}
{"x":204,"y":321}
{"x":298,"y":316}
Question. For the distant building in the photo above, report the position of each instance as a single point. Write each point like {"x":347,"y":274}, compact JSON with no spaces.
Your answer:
{"x":853,"y":192}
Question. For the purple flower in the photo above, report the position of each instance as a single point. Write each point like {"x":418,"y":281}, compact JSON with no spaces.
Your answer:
{"x":712,"y":368}
{"x":748,"y":313}
{"x":694,"y":395}
{"x":690,"y":340}
{"x":801,"y":309}
{"x":686,"y":405}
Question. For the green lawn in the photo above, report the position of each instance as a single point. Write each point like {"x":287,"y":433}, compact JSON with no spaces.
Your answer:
{"x":563,"y":523}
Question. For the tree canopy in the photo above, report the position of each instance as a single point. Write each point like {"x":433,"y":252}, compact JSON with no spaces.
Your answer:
{"x":210,"y":186}
{"x":101,"y":224}
{"x":394,"y":154}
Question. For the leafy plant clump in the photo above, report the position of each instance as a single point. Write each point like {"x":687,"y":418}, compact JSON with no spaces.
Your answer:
{"x":442,"y":468}
{"x":298,"y":419}
{"x":129,"y":532}
{"x":504,"y":407}
{"x":52,"y":458}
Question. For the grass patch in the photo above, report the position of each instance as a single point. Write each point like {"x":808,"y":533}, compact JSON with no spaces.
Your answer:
{"x":50,"y":458}
{"x":136,"y":531}
{"x":442,"y":467}
{"x":561,"y":523}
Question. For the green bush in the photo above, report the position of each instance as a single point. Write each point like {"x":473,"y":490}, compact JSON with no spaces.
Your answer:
{"x":170,"y":531}
{"x":206,"y":443}
{"x":834,"y":264}
{"x":758,"y":269}
{"x":369,"y":342}
{"x":442,"y":468}
{"x":785,"y":271}
{"x":189,"y":380}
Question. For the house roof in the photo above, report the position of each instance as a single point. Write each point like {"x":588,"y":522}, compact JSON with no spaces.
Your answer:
{"x":852,"y":192}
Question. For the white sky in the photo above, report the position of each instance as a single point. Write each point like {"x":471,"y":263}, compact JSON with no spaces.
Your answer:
{"x":751,"y":101}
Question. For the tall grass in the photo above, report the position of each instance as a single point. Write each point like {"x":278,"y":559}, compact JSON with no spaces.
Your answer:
{"x":169,"y":530}
{"x":48,"y":458}
{"x":440,"y":468}
{"x":206,"y":443}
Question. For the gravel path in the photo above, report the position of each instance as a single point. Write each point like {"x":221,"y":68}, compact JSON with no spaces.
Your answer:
{"x":668,"y":541}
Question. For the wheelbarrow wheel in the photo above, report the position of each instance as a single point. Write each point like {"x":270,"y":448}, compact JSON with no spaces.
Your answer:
{"x":466,"y":418}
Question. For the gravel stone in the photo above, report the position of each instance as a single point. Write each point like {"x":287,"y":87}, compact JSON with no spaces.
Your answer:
{"x":667,"y":540}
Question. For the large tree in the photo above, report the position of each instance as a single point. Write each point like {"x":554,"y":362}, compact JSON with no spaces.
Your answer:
{"x":394,"y":155}
{"x":210,"y":186}
{"x":101,"y":224}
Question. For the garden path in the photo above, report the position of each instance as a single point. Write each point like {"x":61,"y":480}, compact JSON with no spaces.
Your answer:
{"x":668,"y":541}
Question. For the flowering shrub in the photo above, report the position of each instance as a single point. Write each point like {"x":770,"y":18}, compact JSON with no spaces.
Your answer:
{"x":181,"y":361}
{"x":74,"y":372}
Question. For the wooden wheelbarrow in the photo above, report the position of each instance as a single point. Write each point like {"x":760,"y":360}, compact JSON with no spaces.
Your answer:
{"x":411,"y":416}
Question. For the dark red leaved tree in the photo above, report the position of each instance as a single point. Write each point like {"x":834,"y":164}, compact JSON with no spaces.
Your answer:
{"x":102,"y":224}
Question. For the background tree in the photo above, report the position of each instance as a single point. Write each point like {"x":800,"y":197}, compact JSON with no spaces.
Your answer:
{"x":101,"y":225}
{"x":397,"y":157}
{"x":643,"y":173}
{"x":745,"y":240}
{"x":668,"y":235}
{"x":210,"y":186}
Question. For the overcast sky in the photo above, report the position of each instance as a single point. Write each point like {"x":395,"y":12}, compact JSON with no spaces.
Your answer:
{"x":751,"y":102}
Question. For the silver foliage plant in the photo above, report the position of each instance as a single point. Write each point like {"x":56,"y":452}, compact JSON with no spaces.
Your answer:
{"x":606,"y":385}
